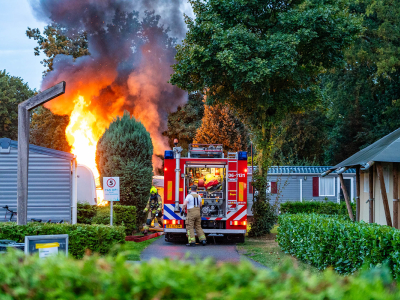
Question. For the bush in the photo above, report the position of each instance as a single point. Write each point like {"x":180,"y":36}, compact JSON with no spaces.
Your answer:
{"x":264,"y":218}
{"x":125,"y":150}
{"x":112,"y":278}
{"x":96,"y":238}
{"x":123,"y":215}
{"x":325,"y":208}
{"x":326,"y":241}
{"x":86,"y":212}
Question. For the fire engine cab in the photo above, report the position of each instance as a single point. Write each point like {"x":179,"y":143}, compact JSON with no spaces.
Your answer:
{"x":221,"y":183}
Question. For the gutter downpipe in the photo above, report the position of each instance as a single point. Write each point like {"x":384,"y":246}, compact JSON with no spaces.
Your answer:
{"x":326,"y":173}
{"x":367,"y":165}
{"x":342,"y":170}
{"x":177,"y":152}
{"x":74,"y":191}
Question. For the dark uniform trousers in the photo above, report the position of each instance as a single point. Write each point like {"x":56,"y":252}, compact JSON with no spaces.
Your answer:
{"x":194,"y":222}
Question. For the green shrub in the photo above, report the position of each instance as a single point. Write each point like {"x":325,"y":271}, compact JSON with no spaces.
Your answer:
{"x":112,"y":278}
{"x":123,"y":215}
{"x":86,"y":212}
{"x":329,"y":241}
{"x":96,"y":238}
{"x":309,"y":207}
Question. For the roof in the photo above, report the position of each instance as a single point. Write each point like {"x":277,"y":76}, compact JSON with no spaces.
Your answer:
{"x":300,"y":170}
{"x":384,"y":150}
{"x":6,"y":143}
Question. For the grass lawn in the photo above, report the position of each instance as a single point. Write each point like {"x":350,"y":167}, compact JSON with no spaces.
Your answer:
{"x":267,"y":252}
{"x":132,"y":250}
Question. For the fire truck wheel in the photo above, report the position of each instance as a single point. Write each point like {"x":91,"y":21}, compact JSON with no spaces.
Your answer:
{"x":241,"y":238}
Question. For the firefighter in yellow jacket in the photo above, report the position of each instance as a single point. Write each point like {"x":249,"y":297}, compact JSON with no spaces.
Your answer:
{"x":154,"y":206}
{"x":193,"y":221}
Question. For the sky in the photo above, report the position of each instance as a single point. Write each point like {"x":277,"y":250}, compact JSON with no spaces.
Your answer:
{"x":16,"y":49}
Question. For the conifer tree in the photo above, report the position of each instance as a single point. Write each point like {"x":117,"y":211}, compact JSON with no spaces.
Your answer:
{"x":125,"y":150}
{"x":221,"y":126}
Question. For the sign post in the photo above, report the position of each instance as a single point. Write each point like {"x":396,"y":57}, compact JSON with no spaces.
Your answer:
{"x":111,"y":192}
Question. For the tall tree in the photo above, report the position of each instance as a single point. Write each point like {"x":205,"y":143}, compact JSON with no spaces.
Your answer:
{"x":183,"y":123}
{"x":54,"y":41}
{"x":263,"y":58}
{"x":362,"y":98}
{"x":40,"y":135}
{"x":301,"y":138}
{"x":221,"y":126}
{"x":125,"y":150}
{"x":12,"y":92}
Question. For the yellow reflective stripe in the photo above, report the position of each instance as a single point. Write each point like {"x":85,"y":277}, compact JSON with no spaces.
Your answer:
{"x":169,"y":196}
{"x":48,"y":245}
{"x":241,"y":191}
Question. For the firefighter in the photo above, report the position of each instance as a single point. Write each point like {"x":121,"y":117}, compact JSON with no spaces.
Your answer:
{"x":193,"y":221}
{"x":154,"y":208}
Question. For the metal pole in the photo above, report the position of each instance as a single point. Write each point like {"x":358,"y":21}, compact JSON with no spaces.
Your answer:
{"x":111,"y":213}
{"x":23,"y":163}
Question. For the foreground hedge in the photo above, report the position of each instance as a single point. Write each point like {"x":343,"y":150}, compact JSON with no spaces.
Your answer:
{"x":123,"y":215}
{"x":96,"y":238}
{"x":107,"y":278}
{"x":325,"y":241}
{"x":326,"y":208}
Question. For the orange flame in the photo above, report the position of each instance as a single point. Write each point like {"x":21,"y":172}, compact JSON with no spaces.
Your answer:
{"x":83,"y":140}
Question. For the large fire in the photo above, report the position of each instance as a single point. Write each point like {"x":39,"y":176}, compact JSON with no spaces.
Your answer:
{"x":82,"y":137}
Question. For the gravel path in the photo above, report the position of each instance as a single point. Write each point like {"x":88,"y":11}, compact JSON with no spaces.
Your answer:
{"x":224,"y":252}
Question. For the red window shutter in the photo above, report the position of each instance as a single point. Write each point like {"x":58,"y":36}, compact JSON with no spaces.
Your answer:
{"x":274,"y":188}
{"x":315,"y":187}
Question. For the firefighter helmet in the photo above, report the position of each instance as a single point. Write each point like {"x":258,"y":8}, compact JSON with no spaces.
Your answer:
{"x":153,"y":190}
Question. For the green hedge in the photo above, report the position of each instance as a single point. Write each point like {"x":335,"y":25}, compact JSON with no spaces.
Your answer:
{"x":326,"y":241}
{"x":112,"y":278}
{"x":96,"y":238}
{"x":309,"y":207}
{"x":123,"y":215}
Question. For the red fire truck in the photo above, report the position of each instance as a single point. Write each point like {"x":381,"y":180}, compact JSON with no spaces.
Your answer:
{"x":222,"y":185}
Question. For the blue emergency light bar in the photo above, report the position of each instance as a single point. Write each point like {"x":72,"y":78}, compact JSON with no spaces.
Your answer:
{"x":242,"y":155}
{"x":169,"y":154}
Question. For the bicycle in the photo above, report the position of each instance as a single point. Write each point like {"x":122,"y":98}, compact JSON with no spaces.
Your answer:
{"x":46,"y":222}
{"x":13,"y":213}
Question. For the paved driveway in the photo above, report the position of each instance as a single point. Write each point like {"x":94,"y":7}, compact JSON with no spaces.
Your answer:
{"x":220,"y":252}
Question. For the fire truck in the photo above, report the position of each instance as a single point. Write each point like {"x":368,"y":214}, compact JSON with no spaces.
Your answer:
{"x":221,"y":183}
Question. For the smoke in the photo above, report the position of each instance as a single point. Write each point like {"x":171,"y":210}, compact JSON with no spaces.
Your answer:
{"x":130,"y":63}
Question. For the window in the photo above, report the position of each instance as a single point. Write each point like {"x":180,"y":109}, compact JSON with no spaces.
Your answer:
{"x":366,"y":182}
{"x":327,"y":186}
{"x":272,"y":187}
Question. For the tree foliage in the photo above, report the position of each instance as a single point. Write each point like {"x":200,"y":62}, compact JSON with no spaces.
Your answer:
{"x":55,"y":40}
{"x":125,"y":150}
{"x":362,"y":98}
{"x":48,"y":130}
{"x":221,"y":126}
{"x":183,"y":123}
{"x":301,"y":138}
{"x":263,"y":58}
{"x":12,"y":92}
